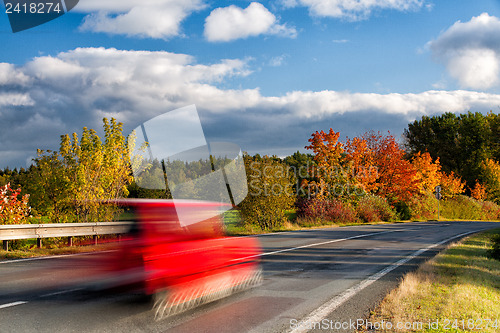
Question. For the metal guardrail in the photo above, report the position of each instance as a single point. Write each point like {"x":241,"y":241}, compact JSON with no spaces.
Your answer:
{"x":39,"y":231}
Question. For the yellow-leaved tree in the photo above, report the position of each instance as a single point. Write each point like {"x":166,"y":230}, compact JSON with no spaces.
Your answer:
{"x":73,"y":183}
{"x":491,"y":179}
{"x":428,"y":174}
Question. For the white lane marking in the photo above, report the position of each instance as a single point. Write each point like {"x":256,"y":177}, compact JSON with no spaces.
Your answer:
{"x":327,"y":228}
{"x":328,"y":307}
{"x":321,"y":243}
{"x":8,"y":305}
{"x":61,"y":292}
{"x":268,"y":253}
{"x":53,"y":257}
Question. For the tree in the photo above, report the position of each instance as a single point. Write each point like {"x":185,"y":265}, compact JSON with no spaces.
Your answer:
{"x":270,"y":192}
{"x":451,"y":185}
{"x":14,"y":207}
{"x":428,"y":173}
{"x":330,"y":177}
{"x":361,"y":161}
{"x":72,"y":183}
{"x":490,"y":174}
{"x":437,"y":135}
{"x":474,"y":141}
{"x":302,"y":166}
{"x":50,"y":187}
{"x":395,"y":175}
{"x":478,"y":192}
{"x":494,"y":140}
{"x":462,"y":142}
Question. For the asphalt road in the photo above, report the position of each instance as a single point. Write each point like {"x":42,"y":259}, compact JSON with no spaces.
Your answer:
{"x":316,"y":280}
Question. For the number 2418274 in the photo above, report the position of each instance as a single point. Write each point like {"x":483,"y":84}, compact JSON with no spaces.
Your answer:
{"x":33,"y":8}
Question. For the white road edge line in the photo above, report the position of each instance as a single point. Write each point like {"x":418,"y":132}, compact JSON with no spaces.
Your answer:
{"x":8,"y":305}
{"x":321,"y":243}
{"x":328,"y":307}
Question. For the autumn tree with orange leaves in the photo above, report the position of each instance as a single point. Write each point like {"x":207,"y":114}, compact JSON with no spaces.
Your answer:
{"x":395,"y":175}
{"x":331,"y":177}
{"x":478,"y":192}
{"x":429,"y":175}
{"x":451,"y":185}
{"x":428,"y":172}
{"x":373,"y":163}
{"x":361,"y":160}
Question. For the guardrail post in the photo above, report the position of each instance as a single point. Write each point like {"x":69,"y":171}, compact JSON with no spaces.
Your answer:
{"x":40,"y":231}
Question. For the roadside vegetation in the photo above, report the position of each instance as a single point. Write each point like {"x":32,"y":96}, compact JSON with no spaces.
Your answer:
{"x":340,"y":181}
{"x":28,"y":249}
{"x":459,"y":289}
{"x":374,"y":178}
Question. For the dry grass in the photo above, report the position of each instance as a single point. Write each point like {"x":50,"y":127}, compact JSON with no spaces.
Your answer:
{"x":461,"y":285}
{"x":19,"y":254}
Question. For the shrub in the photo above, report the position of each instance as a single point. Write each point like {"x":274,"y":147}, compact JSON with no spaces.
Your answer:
{"x":326,"y":210}
{"x":372,"y":208}
{"x":423,"y":206}
{"x":12,"y":209}
{"x":402,"y":210}
{"x":462,"y":207}
{"x":270,"y":193}
{"x":494,"y":252}
{"x":491,"y":211}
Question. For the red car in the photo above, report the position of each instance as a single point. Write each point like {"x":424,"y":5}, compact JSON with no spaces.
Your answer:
{"x":184,"y":261}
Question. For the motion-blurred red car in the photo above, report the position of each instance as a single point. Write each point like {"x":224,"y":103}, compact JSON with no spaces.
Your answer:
{"x":182,"y":262}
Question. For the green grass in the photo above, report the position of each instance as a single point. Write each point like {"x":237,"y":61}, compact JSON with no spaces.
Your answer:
{"x":35,"y":252}
{"x":460,"y":286}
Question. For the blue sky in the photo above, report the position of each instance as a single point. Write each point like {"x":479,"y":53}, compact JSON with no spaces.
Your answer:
{"x":264,"y":75}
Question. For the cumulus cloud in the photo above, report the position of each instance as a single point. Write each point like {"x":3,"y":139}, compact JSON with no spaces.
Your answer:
{"x":10,"y":75}
{"x":229,"y":23}
{"x":53,"y":95}
{"x":352,"y":10}
{"x":471,"y":51}
{"x":145,"y":18}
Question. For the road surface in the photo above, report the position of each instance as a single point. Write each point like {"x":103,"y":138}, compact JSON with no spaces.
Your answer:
{"x":319,"y":279}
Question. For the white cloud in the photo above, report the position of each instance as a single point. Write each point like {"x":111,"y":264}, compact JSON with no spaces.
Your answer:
{"x":10,"y":75}
{"x":278,"y":60}
{"x":352,"y":9}
{"x":145,"y":18}
{"x":476,"y":69}
{"x":77,"y":88}
{"x":230,"y":23}
{"x":15,"y":99}
{"x":471,"y":51}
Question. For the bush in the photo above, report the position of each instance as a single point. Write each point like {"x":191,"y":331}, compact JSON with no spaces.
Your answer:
{"x":402,"y":210}
{"x":372,"y":208}
{"x":423,"y":206}
{"x":494,"y":253}
{"x":326,"y":210}
{"x":491,"y":211}
{"x":462,"y":207}
{"x":270,"y":193}
{"x":14,"y":207}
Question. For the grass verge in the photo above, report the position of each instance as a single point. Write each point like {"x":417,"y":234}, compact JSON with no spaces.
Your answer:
{"x":35,"y":252}
{"x":457,"y":291}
